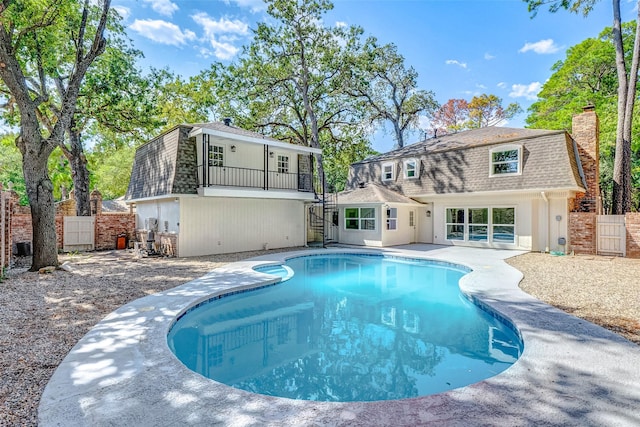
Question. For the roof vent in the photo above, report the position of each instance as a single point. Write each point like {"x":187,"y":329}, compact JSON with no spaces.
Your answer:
{"x":227,"y":121}
{"x":361,"y":184}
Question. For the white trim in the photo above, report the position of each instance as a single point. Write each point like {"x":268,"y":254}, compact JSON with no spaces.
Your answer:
{"x":218,"y":191}
{"x":254,"y":140}
{"x":416,"y":168}
{"x":528,"y":193}
{"x":490,"y":225}
{"x":161,"y":197}
{"x":503,"y":148}
{"x":393,"y":171}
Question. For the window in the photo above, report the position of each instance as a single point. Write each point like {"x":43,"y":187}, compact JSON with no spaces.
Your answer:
{"x":387,"y":171}
{"x":216,"y":155}
{"x":412,"y":221}
{"x":504,"y":221}
{"x":410,"y":169}
{"x":360,"y":218}
{"x":496,"y":225}
{"x":392,"y":218}
{"x":283,"y":164}
{"x":505,"y":160}
{"x":455,"y":224}
{"x":479,"y":225}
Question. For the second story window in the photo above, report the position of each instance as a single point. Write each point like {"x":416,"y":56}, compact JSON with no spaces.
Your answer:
{"x":410,"y":168}
{"x":283,"y":164}
{"x":216,"y":155}
{"x":505,"y":160}
{"x":387,"y":171}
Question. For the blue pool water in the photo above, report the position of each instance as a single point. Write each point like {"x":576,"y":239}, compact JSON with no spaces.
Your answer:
{"x":347,"y":328}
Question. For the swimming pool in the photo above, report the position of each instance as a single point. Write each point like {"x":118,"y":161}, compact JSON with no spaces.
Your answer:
{"x":347,"y":328}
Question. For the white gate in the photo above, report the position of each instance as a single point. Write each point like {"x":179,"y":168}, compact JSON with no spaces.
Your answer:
{"x":611,"y":235}
{"x":79,"y":233}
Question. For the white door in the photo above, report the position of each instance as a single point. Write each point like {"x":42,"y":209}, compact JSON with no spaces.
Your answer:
{"x":79,"y":233}
{"x":611,"y":235}
{"x":425,"y":223}
{"x":413,"y":226}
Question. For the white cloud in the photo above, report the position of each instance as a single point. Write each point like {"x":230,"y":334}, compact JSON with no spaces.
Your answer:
{"x":220,"y":34}
{"x":481,"y":86}
{"x":212,"y":27}
{"x":502,"y":85}
{"x":456,"y":62}
{"x":488,"y":56}
{"x":341,"y":24}
{"x":542,"y":47}
{"x":162,"y":31}
{"x":253,"y":5}
{"x":163,"y":7}
{"x":529,"y":91}
{"x":123,"y":11}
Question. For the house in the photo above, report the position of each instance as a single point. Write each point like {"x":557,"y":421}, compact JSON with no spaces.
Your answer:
{"x":491,"y":187}
{"x":213,"y":188}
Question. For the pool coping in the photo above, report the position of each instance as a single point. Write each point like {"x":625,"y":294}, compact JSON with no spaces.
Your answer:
{"x":571,"y":372}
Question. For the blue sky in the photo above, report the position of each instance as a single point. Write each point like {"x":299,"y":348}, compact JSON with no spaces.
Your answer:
{"x":460,"y":48}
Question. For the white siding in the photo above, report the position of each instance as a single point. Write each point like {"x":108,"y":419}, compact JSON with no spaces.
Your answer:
{"x":523,"y":218}
{"x":164,"y":210}
{"x":215,"y":225}
{"x":403,"y":234}
{"x":361,"y":237}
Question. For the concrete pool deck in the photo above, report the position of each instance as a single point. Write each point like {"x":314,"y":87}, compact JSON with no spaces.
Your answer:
{"x":572,"y":372}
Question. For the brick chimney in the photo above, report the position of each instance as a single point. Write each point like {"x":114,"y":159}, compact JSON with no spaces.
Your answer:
{"x":586,"y":133}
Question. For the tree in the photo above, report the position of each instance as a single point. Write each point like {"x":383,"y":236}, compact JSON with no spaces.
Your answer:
{"x":482,"y":111}
{"x":29,"y":34}
{"x":486,"y":110}
{"x":389,"y":89}
{"x":626,"y":94}
{"x":452,"y":116}
{"x":289,"y":83}
{"x":587,"y":75}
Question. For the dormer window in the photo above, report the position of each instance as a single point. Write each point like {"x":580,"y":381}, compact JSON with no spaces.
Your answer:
{"x":410,"y":169}
{"x":387,"y":171}
{"x":506,"y":160}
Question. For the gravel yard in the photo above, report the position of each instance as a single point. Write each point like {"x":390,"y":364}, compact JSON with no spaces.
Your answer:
{"x":43,"y":315}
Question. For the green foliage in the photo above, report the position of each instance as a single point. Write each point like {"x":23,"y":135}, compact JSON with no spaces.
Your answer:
{"x":387,"y":89}
{"x":111,"y":171}
{"x":588,"y":76}
{"x":11,"y":167}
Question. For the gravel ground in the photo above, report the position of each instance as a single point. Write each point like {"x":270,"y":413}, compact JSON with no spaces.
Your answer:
{"x":43,"y":315}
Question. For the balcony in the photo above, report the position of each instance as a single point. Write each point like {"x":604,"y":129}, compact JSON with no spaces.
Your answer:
{"x":227,"y":176}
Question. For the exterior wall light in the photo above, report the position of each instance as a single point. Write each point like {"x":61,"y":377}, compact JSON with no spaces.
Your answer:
{"x":233,"y":148}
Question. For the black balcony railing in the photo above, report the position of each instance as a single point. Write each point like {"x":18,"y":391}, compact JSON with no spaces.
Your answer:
{"x":226,"y":176}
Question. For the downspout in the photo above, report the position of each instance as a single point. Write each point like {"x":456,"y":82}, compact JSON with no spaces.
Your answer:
{"x":548,"y":234}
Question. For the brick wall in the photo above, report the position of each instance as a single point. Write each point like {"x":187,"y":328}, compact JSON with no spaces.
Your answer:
{"x":582,"y":232}
{"x":632,"y":220}
{"x":110,"y":225}
{"x":585,"y":130}
{"x":6,"y":207}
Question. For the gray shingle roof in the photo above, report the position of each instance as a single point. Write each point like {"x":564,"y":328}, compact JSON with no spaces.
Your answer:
{"x":163,"y":166}
{"x":460,"y":163}
{"x":372,"y":193}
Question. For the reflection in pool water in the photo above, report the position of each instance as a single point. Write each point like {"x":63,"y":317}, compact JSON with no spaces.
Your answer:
{"x":348,"y":328}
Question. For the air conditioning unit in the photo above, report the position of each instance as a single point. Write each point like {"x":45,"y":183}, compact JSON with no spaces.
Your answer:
{"x":151,"y":224}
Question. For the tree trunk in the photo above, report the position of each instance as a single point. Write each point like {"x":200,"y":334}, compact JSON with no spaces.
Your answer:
{"x":79,"y":172}
{"x":621,"y":202}
{"x":40,"y":191}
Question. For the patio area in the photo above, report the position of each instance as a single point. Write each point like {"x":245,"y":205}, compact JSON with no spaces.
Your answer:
{"x":572,"y":372}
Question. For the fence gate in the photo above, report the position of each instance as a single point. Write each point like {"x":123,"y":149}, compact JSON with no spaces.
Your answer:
{"x":611,"y":235}
{"x":79,"y":233}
